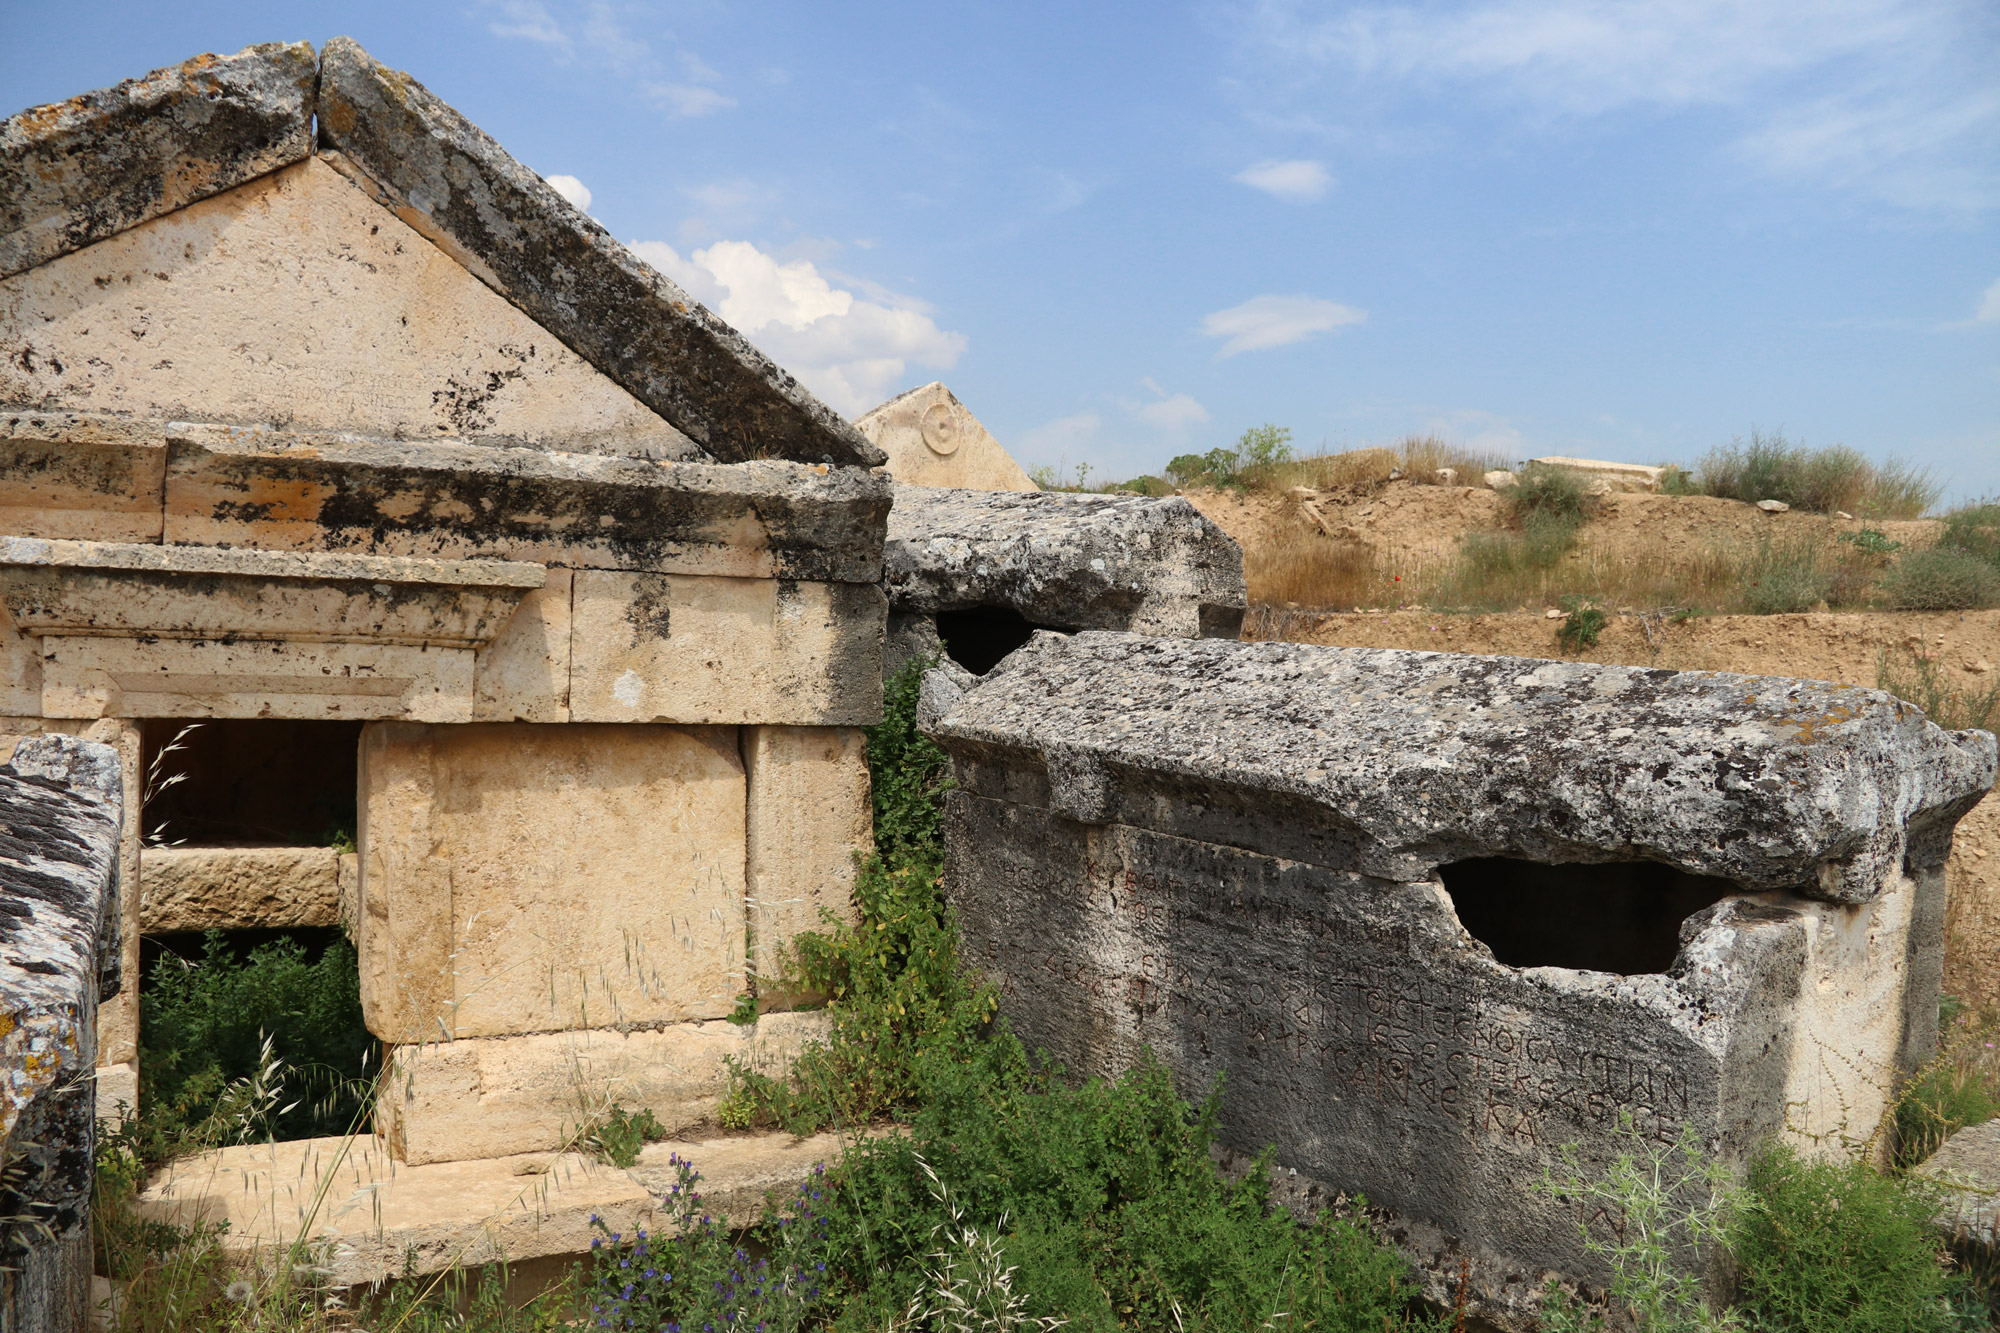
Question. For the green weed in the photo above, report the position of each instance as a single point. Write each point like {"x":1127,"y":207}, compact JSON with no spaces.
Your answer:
{"x":1581,"y":628}
{"x":1836,"y":1247}
{"x":621,"y":1135}
{"x":1916,"y":678}
{"x":210,"y":1024}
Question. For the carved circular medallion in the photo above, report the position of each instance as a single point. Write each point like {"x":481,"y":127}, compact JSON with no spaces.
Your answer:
{"x":942,"y":431}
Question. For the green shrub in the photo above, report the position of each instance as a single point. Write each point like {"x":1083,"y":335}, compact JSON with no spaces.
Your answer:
{"x":898,"y":996}
{"x":1835,"y":1247}
{"x":1582,"y":628}
{"x":1942,"y":578}
{"x":1255,"y":452}
{"x":1106,"y":1200}
{"x":1944,"y":1098}
{"x":273,"y":1043}
{"x":1975,"y":530}
{"x":1822,"y":481}
{"x":1798,"y":571}
{"x":621,"y":1135}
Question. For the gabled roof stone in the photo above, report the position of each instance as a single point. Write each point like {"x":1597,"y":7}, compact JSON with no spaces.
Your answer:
{"x":78,"y":171}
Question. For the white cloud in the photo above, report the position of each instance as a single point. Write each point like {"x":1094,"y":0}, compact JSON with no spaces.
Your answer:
{"x":1989,"y":305}
{"x":572,"y":189}
{"x":1173,"y":413}
{"x":1892,"y":98}
{"x":1294,"y":182}
{"x":1274,"y":321}
{"x":851,"y":351}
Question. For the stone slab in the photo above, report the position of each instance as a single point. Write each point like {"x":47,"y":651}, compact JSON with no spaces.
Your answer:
{"x":933,"y":439}
{"x":523,"y":674}
{"x":118,"y":1002}
{"x":61,"y":812}
{"x":675,"y":648}
{"x":809,"y":817}
{"x":452,"y":182}
{"x":1831,"y":786}
{"x":296,"y":490}
{"x":75,"y":172}
{"x":518,"y":878}
{"x":237,"y":888}
{"x":195,"y":592}
{"x":1123,"y":562}
{"x":88,"y":677}
{"x":376,"y":1210}
{"x":65,"y":477}
{"x":115,"y":1091}
{"x":1969,"y":1165}
{"x":489,"y":1097}
{"x":362,"y":325}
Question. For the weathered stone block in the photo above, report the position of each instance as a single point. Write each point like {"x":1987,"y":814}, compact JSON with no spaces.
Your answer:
{"x":89,"y":480}
{"x":78,"y":171}
{"x":61,"y":810}
{"x":522,"y":675}
{"x":290,"y":490}
{"x":235,"y":888}
{"x":932,"y":439}
{"x":363,"y":326}
{"x":488,"y":1097}
{"x":518,"y":878}
{"x":671,"y":648}
{"x":1392,"y":896}
{"x":118,"y":1003}
{"x":1065,"y":561}
{"x":809,"y":815}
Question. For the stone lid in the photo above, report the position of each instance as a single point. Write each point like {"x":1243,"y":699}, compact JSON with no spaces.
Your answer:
{"x":1394,"y":762}
{"x":1074,"y":561}
{"x":78,"y":171}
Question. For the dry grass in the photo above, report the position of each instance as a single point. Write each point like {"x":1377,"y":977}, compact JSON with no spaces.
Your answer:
{"x":1770,"y":467}
{"x":1422,"y":457}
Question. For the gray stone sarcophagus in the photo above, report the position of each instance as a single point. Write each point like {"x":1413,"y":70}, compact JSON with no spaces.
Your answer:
{"x":1435,"y":918}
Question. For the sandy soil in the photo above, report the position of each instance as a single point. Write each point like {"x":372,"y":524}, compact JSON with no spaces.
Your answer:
{"x":1409,"y":526}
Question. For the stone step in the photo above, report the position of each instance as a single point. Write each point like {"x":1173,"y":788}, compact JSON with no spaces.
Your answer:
{"x":360,"y":1213}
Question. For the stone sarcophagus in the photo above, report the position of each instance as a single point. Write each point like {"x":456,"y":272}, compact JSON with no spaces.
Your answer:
{"x":327,"y":426}
{"x":1434,"y":918}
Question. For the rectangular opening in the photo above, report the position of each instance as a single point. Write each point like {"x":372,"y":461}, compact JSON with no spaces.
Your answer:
{"x":257,"y":781}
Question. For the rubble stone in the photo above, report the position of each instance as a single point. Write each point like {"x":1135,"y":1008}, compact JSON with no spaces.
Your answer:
{"x":76,"y":172}
{"x":1969,"y":1166}
{"x":1154,"y":566}
{"x":61,"y":812}
{"x":237,"y":888}
{"x":1267,"y":862}
{"x":455,"y":185}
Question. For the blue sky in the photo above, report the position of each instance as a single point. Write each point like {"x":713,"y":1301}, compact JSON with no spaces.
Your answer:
{"x":1124,"y":231}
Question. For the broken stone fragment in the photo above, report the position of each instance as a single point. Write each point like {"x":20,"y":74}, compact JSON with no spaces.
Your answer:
{"x":1773,"y":506}
{"x":61,"y":804}
{"x":1500,"y":479}
{"x":78,"y":171}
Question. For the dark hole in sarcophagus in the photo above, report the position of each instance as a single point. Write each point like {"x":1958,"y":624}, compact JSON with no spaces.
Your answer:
{"x":979,"y":636}
{"x":1613,"y":916}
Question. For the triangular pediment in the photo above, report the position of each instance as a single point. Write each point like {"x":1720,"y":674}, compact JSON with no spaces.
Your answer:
{"x":298,"y":301}
{"x":933,"y":439}
{"x":220,"y":144}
